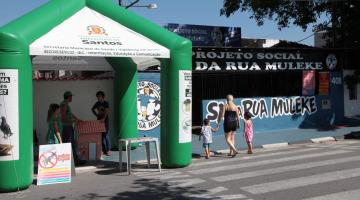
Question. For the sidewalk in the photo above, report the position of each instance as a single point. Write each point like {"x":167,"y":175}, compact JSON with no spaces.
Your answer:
{"x":260,"y":138}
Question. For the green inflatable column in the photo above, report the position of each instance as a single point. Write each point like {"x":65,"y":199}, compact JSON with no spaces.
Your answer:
{"x":125,"y":92}
{"x":16,"y":150}
{"x":176,"y":123}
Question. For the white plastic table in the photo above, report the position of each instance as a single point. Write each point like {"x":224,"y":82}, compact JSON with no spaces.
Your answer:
{"x":127,"y":144}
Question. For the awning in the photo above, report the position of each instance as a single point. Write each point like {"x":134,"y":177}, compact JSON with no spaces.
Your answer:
{"x":89,"y":33}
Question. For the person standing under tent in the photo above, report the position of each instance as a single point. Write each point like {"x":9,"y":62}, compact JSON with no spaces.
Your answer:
{"x":54,"y":131}
{"x":101,"y":111}
{"x":68,"y":118}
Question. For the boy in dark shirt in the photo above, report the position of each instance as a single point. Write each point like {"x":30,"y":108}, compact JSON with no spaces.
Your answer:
{"x":101,"y":111}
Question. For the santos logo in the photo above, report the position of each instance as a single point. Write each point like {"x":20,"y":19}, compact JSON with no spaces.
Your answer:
{"x":104,"y":42}
{"x":96,"y":30}
{"x":99,"y":36}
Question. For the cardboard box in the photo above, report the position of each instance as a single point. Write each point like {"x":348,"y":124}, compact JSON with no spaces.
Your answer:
{"x":89,"y":136}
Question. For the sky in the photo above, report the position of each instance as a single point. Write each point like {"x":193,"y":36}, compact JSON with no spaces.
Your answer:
{"x":199,"y":12}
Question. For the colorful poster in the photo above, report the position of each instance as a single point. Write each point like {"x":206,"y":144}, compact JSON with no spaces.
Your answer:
{"x":185,"y":92}
{"x":9,"y":115}
{"x":308,"y":83}
{"x":324,"y":83}
{"x":54,"y":165}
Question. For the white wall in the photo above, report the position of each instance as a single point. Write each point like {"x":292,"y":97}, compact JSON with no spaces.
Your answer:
{"x":84,"y":91}
{"x":351,"y":107}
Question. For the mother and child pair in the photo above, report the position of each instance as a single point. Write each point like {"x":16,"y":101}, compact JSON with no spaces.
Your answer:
{"x":231,"y":116}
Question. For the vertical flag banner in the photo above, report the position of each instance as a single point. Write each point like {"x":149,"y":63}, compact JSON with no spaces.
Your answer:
{"x":308,"y":83}
{"x":9,"y":115}
{"x":185,"y":92}
{"x":54,"y":165}
{"x":324,"y":83}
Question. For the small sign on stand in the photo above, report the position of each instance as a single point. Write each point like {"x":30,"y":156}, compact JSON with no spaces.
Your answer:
{"x":55,"y":164}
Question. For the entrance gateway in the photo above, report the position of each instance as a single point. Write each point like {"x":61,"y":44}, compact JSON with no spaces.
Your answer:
{"x":97,"y":28}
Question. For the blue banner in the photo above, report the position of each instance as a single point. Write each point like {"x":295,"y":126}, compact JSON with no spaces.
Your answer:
{"x":208,"y":36}
{"x":274,"y":113}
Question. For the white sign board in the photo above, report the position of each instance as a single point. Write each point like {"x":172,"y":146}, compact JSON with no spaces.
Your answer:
{"x":89,"y":33}
{"x":185,"y":92}
{"x":9,"y":115}
{"x":54,"y":165}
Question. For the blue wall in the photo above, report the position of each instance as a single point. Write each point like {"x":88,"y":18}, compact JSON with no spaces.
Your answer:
{"x":325,"y":117}
{"x":318,"y":112}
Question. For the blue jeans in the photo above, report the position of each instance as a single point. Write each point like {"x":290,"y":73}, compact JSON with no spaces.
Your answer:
{"x":68,"y":137}
{"x":105,"y":142}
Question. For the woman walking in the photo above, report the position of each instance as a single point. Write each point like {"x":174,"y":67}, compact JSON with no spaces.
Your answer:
{"x":230,"y":115}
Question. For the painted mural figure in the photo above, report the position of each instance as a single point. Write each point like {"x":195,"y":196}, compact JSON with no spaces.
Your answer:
{"x":145,"y":100}
{"x":230,"y":115}
{"x":53,"y":135}
{"x":149,"y":105}
{"x":206,"y":134}
{"x":248,"y":131}
{"x":101,"y":111}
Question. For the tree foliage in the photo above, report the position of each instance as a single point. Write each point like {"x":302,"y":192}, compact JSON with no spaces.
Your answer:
{"x":339,"y":18}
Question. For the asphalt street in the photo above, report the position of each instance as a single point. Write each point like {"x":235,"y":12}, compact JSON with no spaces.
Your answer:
{"x":310,"y":171}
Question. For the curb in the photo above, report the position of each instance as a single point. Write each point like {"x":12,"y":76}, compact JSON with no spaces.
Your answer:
{"x":84,"y":169}
{"x":322,"y":139}
{"x":275,"y":145}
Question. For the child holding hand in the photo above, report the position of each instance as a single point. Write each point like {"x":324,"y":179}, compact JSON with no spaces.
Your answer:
{"x":248,"y":131}
{"x":206,"y":133}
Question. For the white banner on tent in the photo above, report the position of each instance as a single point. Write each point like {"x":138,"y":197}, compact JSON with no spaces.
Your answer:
{"x":89,"y":33}
{"x":9,"y":114}
{"x":185,"y":94}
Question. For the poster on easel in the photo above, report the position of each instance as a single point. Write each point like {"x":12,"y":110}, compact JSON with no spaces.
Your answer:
{"x":9,"y":115}
{"x":54,"y":164}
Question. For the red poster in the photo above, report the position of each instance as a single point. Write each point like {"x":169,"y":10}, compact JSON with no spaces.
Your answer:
{"x":324,"y":82}
{"x":308,"y":83}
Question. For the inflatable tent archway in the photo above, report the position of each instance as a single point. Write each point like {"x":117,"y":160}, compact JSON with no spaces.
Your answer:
{"x":43,"y":32}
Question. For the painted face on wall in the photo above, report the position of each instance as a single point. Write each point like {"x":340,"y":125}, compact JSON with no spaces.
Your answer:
{"x":146,"y":91}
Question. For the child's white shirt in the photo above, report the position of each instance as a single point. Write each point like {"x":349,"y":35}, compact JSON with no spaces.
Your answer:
{"x":206,"y":134}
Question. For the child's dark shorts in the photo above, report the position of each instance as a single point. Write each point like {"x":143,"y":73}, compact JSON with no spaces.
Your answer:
{"x":206,"y":145}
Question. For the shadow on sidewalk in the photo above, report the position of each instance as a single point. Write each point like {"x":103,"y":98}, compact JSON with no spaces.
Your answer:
{"x":147,"y":189}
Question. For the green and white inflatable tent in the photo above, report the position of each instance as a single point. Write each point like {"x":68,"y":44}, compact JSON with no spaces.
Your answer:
{"x":91,"y":28}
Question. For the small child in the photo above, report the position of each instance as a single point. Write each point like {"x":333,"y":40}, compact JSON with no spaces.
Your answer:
{"x":248,"y":131}
{"x":206,"y":133}
{"x":53,"y":135}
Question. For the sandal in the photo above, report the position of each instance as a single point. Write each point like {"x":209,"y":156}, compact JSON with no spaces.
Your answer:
{"x":234,"y":154}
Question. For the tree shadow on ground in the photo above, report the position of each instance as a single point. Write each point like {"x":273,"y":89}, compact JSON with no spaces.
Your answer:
{"x":143,"y":189}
